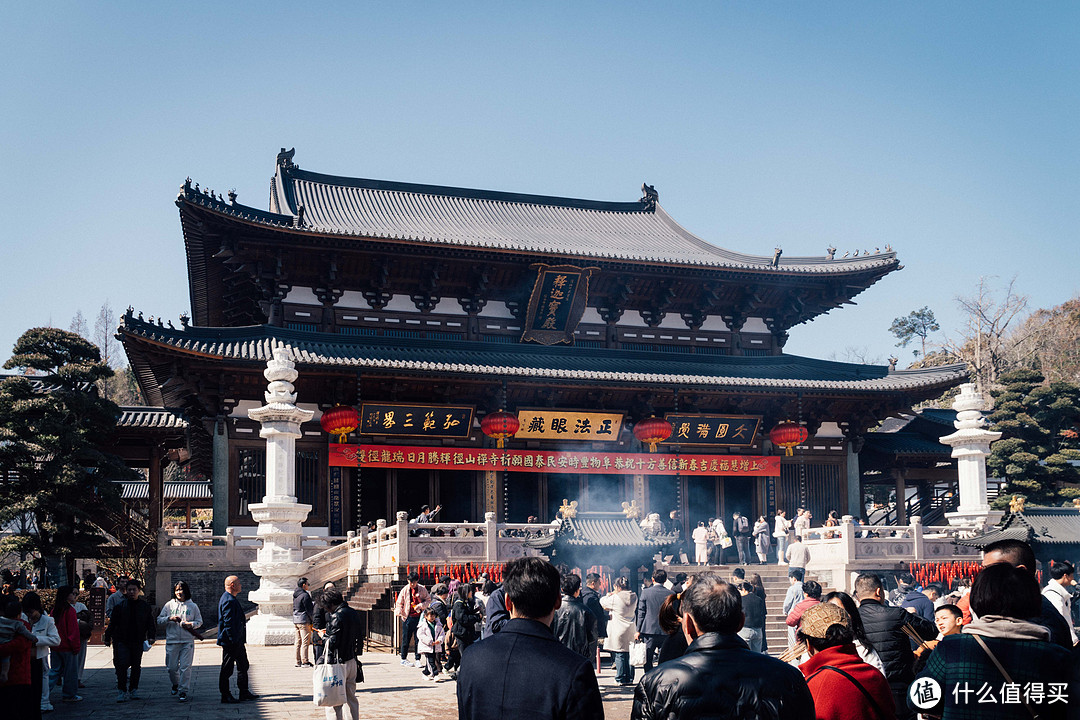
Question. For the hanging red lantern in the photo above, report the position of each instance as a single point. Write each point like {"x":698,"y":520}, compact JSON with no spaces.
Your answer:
{"x":652,"y":430}
{"x":500,"y":425}
{"x":340,"y":421}
{"x":788,"y":435}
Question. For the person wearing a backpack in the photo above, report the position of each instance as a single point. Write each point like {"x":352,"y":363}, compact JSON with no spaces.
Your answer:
{"x":741,"y":525}
{"x":465,"y":618}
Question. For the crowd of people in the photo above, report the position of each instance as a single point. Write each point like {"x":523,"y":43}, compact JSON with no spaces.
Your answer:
{"x":868,"y":654}
{"x":530,"y":646}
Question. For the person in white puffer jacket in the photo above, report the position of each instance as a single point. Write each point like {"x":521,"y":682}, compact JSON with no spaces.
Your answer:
{"x":179,"y":616}
{"x":44,"y":628}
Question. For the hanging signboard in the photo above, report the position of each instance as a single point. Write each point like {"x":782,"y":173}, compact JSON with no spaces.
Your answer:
{"x":434,"y":421}
{"x":568,"y":425}
{"x":729,"y":430}
{"x":335,"y":501}
{"x":557,"y":303}
{"x":600,"y":463}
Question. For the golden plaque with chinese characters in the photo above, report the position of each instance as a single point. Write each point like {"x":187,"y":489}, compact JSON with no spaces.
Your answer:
{"x":568,"y":425}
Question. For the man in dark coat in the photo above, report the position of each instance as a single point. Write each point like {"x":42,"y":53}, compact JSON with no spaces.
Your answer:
{"x":719,"y":676}
{"x":345,"y":643}
{"x":232,"y":636}
{"x":495,"y":613}
{"x":648,"y":616}
{"x":884,"y":628}
{"x":914,"y":598}
{"x":574,"y":626}
{"x":590,"y":595}
{"x":522,"y":671}
{"x":132,"y":623}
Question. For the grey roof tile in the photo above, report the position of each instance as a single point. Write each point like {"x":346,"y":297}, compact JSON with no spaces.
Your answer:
{"x":782,"y":371}
{"x":570,"y":227}
{"x":151,"y":418}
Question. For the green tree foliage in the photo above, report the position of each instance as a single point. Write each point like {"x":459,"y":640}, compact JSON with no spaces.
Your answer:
{"x":53,"y":426}
{"x":916,"y":324}
{"x":1039,"y":424}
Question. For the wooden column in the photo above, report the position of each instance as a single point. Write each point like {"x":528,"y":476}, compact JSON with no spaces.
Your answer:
{"x":491,"y":492}
{"x":156,"y":491}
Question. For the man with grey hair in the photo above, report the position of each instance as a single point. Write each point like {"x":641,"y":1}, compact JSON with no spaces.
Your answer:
{"x":718,"y":675}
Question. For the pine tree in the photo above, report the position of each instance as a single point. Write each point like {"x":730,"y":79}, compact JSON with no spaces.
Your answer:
{"x":53,"y":427}
{"x":1039,"y":443}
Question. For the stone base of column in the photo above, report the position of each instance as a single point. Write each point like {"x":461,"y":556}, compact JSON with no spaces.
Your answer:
{"x":270,"y":630}
{"x":970,"y":517}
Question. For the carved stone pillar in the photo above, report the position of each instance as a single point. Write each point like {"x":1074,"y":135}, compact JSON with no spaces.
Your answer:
{"x":280,"y":559}
{"x":971,"y":445}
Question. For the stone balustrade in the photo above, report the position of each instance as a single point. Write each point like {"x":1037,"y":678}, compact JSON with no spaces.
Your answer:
{"x":837,"y":554}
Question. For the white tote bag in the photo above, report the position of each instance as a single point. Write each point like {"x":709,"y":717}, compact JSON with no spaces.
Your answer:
{"x":328,"y":682}
{"x":637,"y":654}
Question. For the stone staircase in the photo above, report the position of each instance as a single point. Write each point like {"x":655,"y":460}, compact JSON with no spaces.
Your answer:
{"x":775,"y":580}
{"x":374,"y":599}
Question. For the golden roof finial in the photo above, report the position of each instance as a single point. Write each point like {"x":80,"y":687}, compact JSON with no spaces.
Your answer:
{"x":568,"y":509}
{"x":1016,"y":505}
{"x":631,"y":510}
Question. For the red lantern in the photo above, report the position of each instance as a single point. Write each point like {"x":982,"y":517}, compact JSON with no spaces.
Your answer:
{"x":500,"y":425}
{"x":788,"y":435}
{"x":340,"y":421}
{"x":651,"y":431}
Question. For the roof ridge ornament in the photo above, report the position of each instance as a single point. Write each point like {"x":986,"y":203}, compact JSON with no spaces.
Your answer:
{"x":285,"y":159}
{"x":649,"y":197}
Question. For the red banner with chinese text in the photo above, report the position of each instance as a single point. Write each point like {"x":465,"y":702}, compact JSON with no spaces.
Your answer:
{"x":594,"y":462}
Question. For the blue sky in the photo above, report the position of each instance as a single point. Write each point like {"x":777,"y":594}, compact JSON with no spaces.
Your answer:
{"x":947,"y":130}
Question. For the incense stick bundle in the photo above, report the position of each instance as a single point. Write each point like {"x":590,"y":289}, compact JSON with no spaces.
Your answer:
{"x":915,"y":636}
{"x":793,"y":653}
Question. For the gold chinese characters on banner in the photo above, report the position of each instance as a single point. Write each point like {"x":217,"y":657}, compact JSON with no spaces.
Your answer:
{"x":568,"y":425}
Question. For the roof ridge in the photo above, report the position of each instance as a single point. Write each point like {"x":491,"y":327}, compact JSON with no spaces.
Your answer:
{"x":295,"y":173}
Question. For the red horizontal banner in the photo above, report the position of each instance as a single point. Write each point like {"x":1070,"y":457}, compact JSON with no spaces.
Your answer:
{"x":597,"y":463}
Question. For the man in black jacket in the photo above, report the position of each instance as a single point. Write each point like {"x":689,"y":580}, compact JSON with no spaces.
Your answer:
{"x":345,"y":644}
{"x":591,"y":597}
{"x":302,"y":611}
{"x":523,"y":671}
{"x":648,"y":616}
{"x":232,"y":637}
{"x":719,"y":676}
{"x":884,"y":627}
{"x":574,"y":626}
{"x":131,"y":623}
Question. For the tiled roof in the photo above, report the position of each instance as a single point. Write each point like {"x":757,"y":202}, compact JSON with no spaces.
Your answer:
{"x":379,"y":209}
{"x":178,"y":490}
{"x":1036,"y":525}
{"x":151,"y":418}
{"x":255,"y":344}
{"x":607,"y":529}
{"x":905,"y":443}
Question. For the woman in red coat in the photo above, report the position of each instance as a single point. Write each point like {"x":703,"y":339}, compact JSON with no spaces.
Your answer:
{"x":65,"y":657}
{"x":844,"y":687}
{"x":17,"y":697}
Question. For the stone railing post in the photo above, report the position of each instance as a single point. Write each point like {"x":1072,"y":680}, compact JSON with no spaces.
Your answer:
{"x":847,"y":538}
{"x":917,"y":538}
{"x":380,"y":535}
{"x":402,"y":537}
{"x":491,"y":538}
{"x":230,"y":546}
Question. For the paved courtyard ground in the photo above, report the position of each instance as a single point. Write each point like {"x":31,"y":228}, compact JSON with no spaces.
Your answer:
{"x":284,"y":691}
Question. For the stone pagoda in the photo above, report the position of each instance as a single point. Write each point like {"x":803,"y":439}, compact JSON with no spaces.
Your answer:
{"x":280,"y":561}
{"x":971,"y":445}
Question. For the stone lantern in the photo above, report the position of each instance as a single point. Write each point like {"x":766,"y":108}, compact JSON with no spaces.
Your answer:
{"x":279,"y":562}
{"x":971,"y":445}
